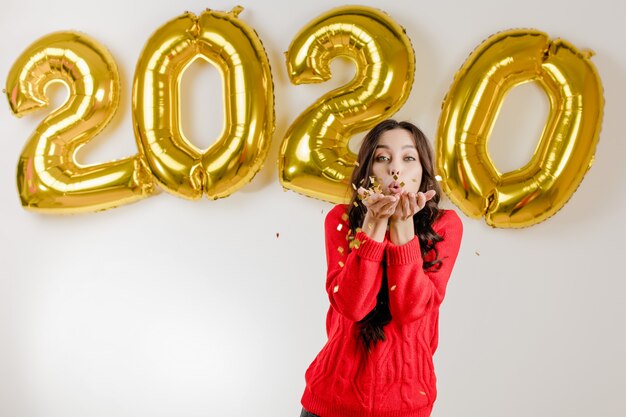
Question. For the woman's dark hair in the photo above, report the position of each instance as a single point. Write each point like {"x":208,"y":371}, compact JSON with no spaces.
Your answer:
{"x":372,"y":326}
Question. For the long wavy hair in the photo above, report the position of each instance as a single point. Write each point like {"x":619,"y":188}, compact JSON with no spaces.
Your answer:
{"x":372,"y":326}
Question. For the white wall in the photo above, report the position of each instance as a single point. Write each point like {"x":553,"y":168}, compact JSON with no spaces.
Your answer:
{"x":169,"y":307}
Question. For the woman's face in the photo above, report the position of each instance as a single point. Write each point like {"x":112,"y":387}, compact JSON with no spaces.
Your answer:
{"x":396,"y":163}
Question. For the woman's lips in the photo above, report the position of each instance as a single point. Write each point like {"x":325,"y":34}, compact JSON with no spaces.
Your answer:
{"x":394,"y":187}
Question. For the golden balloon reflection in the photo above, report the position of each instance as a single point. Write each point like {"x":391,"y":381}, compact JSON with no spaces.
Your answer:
{"x":565,"y":151}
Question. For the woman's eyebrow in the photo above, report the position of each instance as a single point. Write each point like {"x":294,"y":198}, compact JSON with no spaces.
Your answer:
{"x":404,"y":147}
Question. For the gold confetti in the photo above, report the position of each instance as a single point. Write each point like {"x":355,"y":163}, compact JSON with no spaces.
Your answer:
{"x":344,"y":217}
{"x":339,"y":227}
{"x":340,"y":250}
{"x":393,"y":288}
{"x":477,"y":254}
{"x":438,"y":177}
{"x":353,"y":186}
{"x":370,"y":226}
{"x":341,"y":264}
{"x":422,"y":392}
{"x":356,"y":163}
{"x":336,"y":288}
{"x":414,"y":179}
{"x":354,"y":244}
{"x":395,"y":177}
{"x":358,"y":229}
{"x":277,"y":235}
{"x":355,"y":204}
{"x":375,"y":187}
{"x":402,"y":184}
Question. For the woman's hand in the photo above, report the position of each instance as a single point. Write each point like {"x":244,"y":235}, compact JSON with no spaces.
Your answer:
{"x":379,"y":209}
{"x":379,"y":206}
{"x":401,"y":228}
{"x":410,"y":204}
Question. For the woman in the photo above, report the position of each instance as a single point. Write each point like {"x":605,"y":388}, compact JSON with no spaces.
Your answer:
{"x":389,"y":254}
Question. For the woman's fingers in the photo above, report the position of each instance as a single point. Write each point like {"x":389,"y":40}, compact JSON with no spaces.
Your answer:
{"x":406,"y":207}
{"x":430,"y":194}
{"x":385,"y":207}
{"x":388,"y":205}
{"x":375,"y":202}
{"x":399,"y":206}
{"x":413,"y":207}
{"x":370,"y":199}
{"x":421,"y":200}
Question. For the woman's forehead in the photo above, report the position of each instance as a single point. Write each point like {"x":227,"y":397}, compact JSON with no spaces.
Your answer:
{"x":396,"y":139}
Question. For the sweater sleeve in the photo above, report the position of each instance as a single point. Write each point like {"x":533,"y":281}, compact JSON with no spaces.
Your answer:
{"x":354,"y":276}
{"x":414,"y":292}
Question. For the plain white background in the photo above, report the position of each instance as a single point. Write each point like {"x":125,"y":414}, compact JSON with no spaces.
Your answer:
{"x":169,"y":307}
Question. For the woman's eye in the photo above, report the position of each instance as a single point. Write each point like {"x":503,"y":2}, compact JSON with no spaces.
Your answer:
{"x":409,"y":158}
{"x":382,"y":158}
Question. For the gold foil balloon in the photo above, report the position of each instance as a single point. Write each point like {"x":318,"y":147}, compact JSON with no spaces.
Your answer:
{"x":48,"y":177}
{"x":565,"y":150}
{"x":235,"y":49}
{"x":314,"y":158}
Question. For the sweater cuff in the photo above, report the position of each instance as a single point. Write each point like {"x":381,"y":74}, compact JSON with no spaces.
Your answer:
{"x":408,"y":253}
{"x":369,"y":248}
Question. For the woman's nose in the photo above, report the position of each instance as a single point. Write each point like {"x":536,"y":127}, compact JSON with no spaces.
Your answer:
{"x":394,"y":171}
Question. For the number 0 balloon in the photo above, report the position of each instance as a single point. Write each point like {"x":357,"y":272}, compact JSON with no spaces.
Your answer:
{"x":565,"y":151}
{"x":236,"y":50}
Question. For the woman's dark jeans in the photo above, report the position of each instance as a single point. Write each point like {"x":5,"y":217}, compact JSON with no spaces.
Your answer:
{"x":305,"y":413}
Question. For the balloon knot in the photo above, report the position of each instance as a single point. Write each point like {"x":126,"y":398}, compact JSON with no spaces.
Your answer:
{"x":491,"y":201}
{"x":587,"y":53}
{"x":236,"y":10}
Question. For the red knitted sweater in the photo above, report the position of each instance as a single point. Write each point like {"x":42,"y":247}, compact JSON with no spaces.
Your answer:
{"x":396,"y":378}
